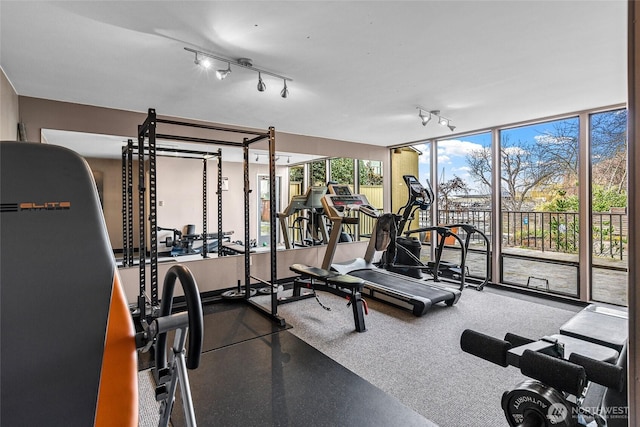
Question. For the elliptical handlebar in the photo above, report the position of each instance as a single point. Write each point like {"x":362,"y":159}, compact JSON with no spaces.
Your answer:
{"x":420,"y":197}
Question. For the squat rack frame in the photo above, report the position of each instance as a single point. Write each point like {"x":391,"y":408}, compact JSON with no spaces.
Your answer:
{"x":128,"y":153}
{"x":148,"y":131}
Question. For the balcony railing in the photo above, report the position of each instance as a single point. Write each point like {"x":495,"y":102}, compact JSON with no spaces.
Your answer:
{"x":548,"y":231}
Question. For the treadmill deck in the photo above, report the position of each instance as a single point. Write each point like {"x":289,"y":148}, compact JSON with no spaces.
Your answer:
{"x":416,"y":295}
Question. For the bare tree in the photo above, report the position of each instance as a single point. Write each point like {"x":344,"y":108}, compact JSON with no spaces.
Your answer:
{"x":609,"y":149}
{"x":446,"y":189}
{"x":525,"y":166}
{"x":551,"y":159}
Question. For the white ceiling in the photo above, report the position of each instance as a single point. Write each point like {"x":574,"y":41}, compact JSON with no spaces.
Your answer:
{"x":359,"y":68}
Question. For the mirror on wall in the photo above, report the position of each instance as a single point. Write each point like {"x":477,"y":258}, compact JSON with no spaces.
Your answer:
{"x":180,"y":184}
{"x":303,"y":222}
{"x":264,"y":209}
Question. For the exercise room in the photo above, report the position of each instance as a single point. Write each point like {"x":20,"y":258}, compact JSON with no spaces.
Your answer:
{"x":319,"y":213}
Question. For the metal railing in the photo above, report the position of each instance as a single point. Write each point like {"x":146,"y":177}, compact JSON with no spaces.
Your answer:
{"x":548,"y":231}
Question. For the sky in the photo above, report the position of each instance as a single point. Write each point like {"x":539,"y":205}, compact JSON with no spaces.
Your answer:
{"x":452,"y":153}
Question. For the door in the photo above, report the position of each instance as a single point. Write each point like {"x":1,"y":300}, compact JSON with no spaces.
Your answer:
{"x":264,"y":209}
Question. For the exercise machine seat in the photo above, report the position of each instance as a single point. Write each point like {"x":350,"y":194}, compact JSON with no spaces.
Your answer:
{"x":68,"y":353}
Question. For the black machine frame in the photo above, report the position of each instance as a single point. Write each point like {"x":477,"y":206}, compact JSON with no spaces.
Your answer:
{"x":148,"y":131}
{"x":128,"y":153}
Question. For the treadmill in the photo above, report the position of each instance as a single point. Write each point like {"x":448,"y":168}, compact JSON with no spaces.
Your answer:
{"x":396,"y":289}
{"x":310,"y":202}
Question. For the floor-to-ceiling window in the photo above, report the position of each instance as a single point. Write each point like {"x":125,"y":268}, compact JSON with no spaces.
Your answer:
{"x":609,"y":267}
{"x":464,"y":195}
{"x":548,"y":188}
{"x":539,"y":176}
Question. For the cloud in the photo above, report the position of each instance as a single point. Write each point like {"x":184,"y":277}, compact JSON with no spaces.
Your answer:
{"x":456,"y":147}
{"x":553,"y":139}
{"x":452,"y":148}
{"x":514,"y":150}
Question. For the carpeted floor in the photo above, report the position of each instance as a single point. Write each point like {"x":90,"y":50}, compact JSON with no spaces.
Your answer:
{"x":418,"y":359}
{"x":148,"y":407}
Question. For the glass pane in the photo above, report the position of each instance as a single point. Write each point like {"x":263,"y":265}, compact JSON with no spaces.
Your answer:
{"x":416,"y":161}
{"x":540,"y":199}
{"x":370,"y":184}
{"x":342,"y":171}
{"x":464,"y":194}
{"x":541,"y":275}
{"x":318,"y":173}
{"x":609,"y":223}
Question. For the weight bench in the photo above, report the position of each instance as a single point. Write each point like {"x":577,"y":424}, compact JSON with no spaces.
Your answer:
{"x":343,"y":285}
{"x":599,"y":325}
{"x":587,"y":359}
{"x":230,"y":248}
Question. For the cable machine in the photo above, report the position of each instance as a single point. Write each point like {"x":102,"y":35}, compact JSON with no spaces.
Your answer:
{"x":147,"y":154}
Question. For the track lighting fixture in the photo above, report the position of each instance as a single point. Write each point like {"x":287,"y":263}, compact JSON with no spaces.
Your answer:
{"x":277,"y":157}
{"x":261,"y":85}
{"x":222,"y":74}
{"x":426,"y":116}
{"x":425,"y":119}
{"x":205,"y":60}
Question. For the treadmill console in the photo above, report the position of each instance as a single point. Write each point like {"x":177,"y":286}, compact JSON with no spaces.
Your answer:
{"x":337,"y":205}
{"x":314,"y":197}
{"x":340,"y":189}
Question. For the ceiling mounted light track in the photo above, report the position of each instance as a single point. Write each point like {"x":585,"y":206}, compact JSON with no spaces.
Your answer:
{"x":205,"y":60}
{"x":426,"y":116}
{"x":261,"y":86}
{"x":222,"y":74}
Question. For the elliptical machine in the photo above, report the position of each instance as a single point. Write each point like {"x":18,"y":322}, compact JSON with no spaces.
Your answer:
{"x":404,"y":256}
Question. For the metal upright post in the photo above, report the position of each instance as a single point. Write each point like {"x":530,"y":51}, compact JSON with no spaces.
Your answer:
{"x":272,"y":220}
{"x":153,"y":209}
{"x":205,"y":249}
{"x":247,"y":243}
{"x":219,"y":197}
{"x":130,"y":201}
{"x":142,"y":224}
{"x":125,"y":236}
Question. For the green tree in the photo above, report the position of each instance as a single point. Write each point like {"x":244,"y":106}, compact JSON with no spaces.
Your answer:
{"x":560,"y":203}
{"x":342,"y":170}
{"x":606,"y":198}
{"x":296,"y":174}
{"x":370,"y":172}
{"x":318,"y":173}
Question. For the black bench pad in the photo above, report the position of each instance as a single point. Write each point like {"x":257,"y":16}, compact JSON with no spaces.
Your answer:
{"x":346,"y":281}
{"x":314,"y":272}
{"x":331,"y":277}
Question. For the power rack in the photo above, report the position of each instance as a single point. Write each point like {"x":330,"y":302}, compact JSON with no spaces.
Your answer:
{"x":147,"y":152}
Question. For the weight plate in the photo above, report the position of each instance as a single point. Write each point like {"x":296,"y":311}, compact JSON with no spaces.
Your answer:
{"x":536,"y":399}
{"x":235,"y":294}
{"x":267,"y":290}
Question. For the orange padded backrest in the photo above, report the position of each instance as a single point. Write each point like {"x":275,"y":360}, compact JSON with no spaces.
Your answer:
{"x":115,"y":399}
{"x":67,"y":339}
